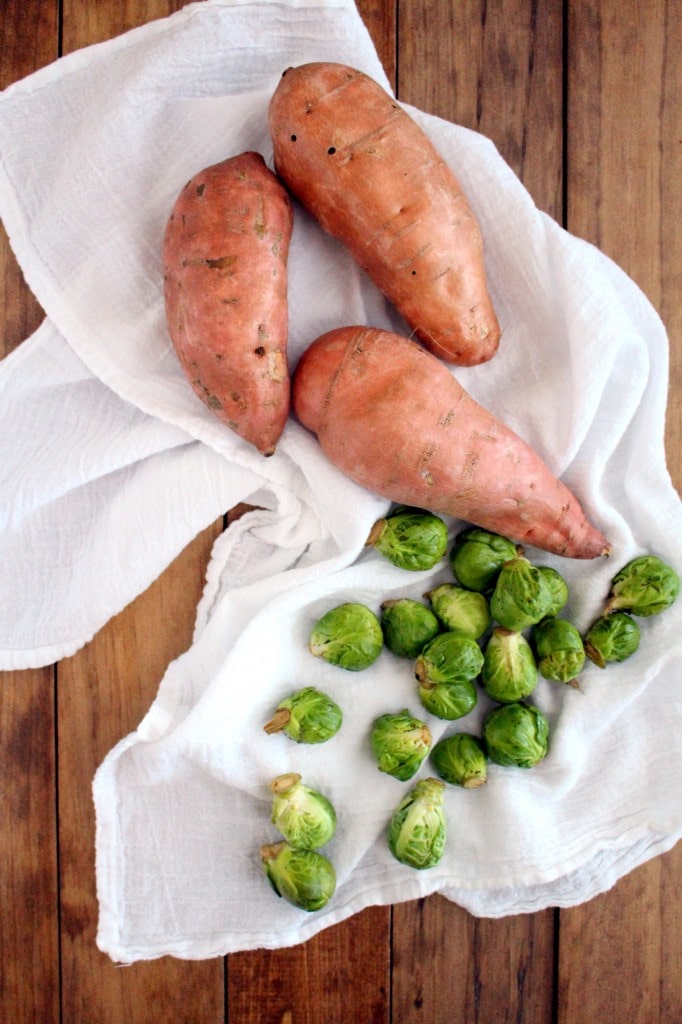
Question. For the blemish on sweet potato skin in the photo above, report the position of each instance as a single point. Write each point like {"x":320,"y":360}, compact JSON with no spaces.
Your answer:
{"x":225,"y":258}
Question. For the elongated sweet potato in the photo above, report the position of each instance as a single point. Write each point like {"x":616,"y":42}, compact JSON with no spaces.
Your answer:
{"x":225,"y":282}
{"x":392,"y":417}
{"x":371,"y":177}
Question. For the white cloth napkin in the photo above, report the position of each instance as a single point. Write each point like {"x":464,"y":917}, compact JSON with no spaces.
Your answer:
{"x":111,"y":465}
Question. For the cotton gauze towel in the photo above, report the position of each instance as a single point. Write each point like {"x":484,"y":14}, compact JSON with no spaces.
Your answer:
{"x":93,"y":151}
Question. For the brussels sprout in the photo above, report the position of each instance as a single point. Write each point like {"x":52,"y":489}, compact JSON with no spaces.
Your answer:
{"x":613,"y":637}
{"x":306,"y":716}
{"x":461,"y":760}
{"x":516,"y":735}
{"x":509,"y":671}
{"x":348,"y":636}
{"x":304,"y":878}
{"x":305,"y":818}
{"x":457,"y":608}
{"x":559,"y":649}
{"x":477,"y":557}
{"x":559,"y":588}
{"x":448,"y":700}
{"x":400,"y":742}
{"x":407,"y":626}
{"x":645,"y":586}
{"x":521,"y":596}
{"x":410,"y":538}
{"x":417,"y":829}
{"x":450,"y":657}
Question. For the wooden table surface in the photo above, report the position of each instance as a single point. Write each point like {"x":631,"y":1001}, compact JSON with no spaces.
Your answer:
{"x":583,"y":99}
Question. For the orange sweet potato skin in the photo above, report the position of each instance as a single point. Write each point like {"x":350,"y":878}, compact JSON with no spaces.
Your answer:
{"x":225,"y":255}
{"x":372,"y":178}
{"x":393,"y":418}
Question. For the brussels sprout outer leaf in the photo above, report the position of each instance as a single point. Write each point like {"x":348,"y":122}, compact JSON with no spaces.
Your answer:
{"x":417,"y":829}
{"x":411,"y":539}
{"x":558,"y":587}
{"x":449,"y":701}
{"x":509,"y":671}
{"x":559,"y":649}
{"x":448,"y":658}
{"x":461,"y":760}
{"x":407,"y":626}
{"x":644,"y":586}
{"x":460,"y":609}
{"x":306,"y":716}
{"x":522,"y":595}
{"x":477,"y":557}
{"x":612,"y":637}
{"x":400,"y":743}
{"x":304,"y":878}
{"x":306,"y":818}
{"x":349,"y":636}
{"x":516,"y":735}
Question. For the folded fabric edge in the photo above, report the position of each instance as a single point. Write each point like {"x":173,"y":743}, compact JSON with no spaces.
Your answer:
{"x":41,"y":657}
{"x":648,"y":846}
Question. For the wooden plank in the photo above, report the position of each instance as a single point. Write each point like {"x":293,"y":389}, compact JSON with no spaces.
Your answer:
{"x":29,"y":928}
{"x":495,"y":68}
{"x":620,"y":954}
{"x":104,"y":692}
{"x":343,"y":973}
{"x":29,"y":38}
{"x":449,"y":966}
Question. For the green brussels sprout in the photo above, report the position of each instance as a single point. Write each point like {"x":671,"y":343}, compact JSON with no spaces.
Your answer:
{"x":559,"y":649}
{"x":645,"y":586}
{"x":461,"y":760}
{"x":477,"y":557}
{"x":410,"y":538}
{"x":305,"y":818}
{"x":450,"y":657}
{"x":306,"y":716}
{"x":304,"y":878}
{"x":516,"y":735}
{"x":457,"y":608}
{"x":407,"y":626}
{"x":509,"y":671}
{"x":559,"y":588}
{"x":400,"y":742}
{"x":417,"y":830}
{"x":348,"y":636}
{"x":613,"y":637}
{"x":448,"y":700}
{"x":521,"y":596}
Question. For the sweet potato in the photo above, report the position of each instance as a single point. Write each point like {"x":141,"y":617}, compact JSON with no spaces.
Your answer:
{"x":393,"y":418}
{"x":225,"y":257}
{"x":371,"y":177}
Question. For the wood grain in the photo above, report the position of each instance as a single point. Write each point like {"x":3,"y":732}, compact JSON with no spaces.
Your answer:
{"x":340,"y":975}
{"x":495,"y":67}
{"x":583,"y":100}
{"x":450,"y":966}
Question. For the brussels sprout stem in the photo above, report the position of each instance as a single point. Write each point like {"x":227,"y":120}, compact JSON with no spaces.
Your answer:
{"x":278,"y":721}
{"x":375,"y":533}
{"x":594,"y":655}
{"x":283,"y":783}
{"x":269,"y":851}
